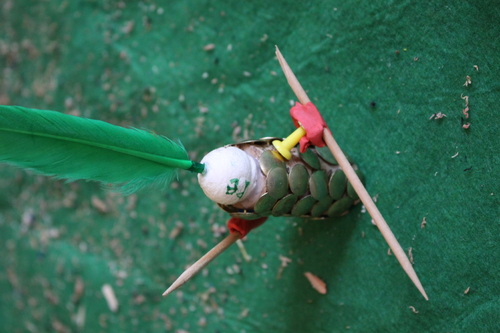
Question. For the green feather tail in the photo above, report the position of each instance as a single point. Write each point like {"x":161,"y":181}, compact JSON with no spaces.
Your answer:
{"x":64,"y":146}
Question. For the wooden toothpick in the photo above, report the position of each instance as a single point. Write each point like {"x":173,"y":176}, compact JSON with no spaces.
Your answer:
{"x":355,"y":181}
{"x":203,"y":261}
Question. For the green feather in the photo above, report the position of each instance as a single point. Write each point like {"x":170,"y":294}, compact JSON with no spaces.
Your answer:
{"x":64,"y":146}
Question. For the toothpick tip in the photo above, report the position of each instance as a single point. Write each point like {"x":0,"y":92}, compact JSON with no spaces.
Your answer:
{"x":168,"y":291}
{"x":420,"y":288}
{"x":203,"y":261}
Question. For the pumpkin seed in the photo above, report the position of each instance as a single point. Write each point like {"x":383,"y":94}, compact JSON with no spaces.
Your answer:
{"x":321,"y":207}
{"x":285,"y":205}
{"x":337,"y":184}
{"x":269,"y":160}
{"x":303,"y":206}
{"x":310,"y":159}
{"x":327,"y":155}
{"x":340,"y":207}
{"x":318,"y":185}
{"x":299,"y":179}
{"x":277,"y":183}
{"x":264,"y":204}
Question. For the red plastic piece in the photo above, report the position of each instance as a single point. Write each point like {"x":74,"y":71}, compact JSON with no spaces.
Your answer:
{"x":242,"y":226}
{"x":311,"y":120}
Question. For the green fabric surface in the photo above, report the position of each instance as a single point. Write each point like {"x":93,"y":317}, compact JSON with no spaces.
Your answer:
{"x":377,"y":70}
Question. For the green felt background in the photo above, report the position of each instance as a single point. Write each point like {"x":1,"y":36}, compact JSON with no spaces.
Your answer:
{"x":82,"y":57}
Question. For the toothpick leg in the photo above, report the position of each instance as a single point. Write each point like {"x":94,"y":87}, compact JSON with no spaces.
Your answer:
{"x":355,"y":181}
{"x":203,"y":261}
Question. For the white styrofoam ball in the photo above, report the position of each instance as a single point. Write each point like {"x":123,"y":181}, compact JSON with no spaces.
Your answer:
{"x":230,"y":175}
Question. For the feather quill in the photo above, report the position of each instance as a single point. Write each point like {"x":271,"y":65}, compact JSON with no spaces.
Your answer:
{"x":73,"y":148}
